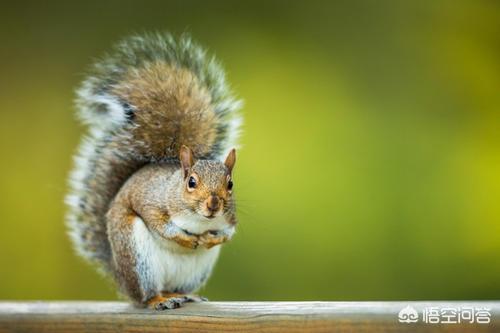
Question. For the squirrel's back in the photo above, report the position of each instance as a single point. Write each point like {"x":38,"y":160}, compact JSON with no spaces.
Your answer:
{"x":141,"y":102}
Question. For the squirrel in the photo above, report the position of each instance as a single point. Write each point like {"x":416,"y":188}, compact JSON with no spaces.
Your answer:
{"x":151,"y":193}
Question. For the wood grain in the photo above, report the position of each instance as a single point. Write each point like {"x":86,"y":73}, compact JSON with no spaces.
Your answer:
{"x":230,"y":316}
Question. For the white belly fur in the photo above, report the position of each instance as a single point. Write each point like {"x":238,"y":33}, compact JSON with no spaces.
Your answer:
{"x":196,"y":224}
{"x":165,"y":266}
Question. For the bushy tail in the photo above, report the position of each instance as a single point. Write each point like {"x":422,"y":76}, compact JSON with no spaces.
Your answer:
{"x":141,"y":102}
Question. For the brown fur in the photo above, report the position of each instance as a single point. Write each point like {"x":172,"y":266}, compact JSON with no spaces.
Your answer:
{"x":120,"y":228}
{"x":169,"y":100}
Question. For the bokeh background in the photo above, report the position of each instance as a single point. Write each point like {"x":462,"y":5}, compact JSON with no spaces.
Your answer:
{"x":370,"y":167}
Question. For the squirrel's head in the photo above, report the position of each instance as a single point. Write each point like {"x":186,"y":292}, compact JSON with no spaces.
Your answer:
{"x":208,"y":184}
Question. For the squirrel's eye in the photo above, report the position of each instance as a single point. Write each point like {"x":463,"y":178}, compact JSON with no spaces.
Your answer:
{"x":230,"y":185}
{"x":191,"y":182}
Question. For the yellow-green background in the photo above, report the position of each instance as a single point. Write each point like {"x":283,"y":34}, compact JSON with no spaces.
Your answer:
{"x":370,"y":167}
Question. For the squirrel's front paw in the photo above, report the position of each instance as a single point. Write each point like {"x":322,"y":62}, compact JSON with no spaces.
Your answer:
{"x":185,"y":240}
{"x":211,"y":238}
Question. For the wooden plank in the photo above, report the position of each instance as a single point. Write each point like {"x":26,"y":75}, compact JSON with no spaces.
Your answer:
{"x":232,"y":316}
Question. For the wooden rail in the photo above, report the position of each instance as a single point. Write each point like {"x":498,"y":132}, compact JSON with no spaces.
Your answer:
{"x":236,"y":316}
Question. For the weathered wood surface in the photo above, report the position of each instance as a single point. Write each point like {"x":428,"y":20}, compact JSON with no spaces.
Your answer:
{"x":231,"y":316}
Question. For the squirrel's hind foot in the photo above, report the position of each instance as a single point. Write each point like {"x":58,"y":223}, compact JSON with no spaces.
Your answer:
{"x":163,"y":303}
{"x":168,"y":301}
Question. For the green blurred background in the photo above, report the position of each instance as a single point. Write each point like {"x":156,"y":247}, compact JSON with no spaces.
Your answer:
{"x":370,"y":167}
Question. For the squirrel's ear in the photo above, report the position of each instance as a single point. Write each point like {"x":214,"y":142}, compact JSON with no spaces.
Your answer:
{"x":230,"y":160}
{"x":186,"y":158}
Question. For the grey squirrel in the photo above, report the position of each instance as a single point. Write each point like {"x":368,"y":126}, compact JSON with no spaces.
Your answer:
{"x":150,"y":198}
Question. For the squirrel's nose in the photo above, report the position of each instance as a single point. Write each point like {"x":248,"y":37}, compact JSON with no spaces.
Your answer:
{"x":213,"y":203}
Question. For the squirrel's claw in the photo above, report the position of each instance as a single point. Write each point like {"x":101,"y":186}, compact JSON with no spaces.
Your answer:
{"x":195,"y":298}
